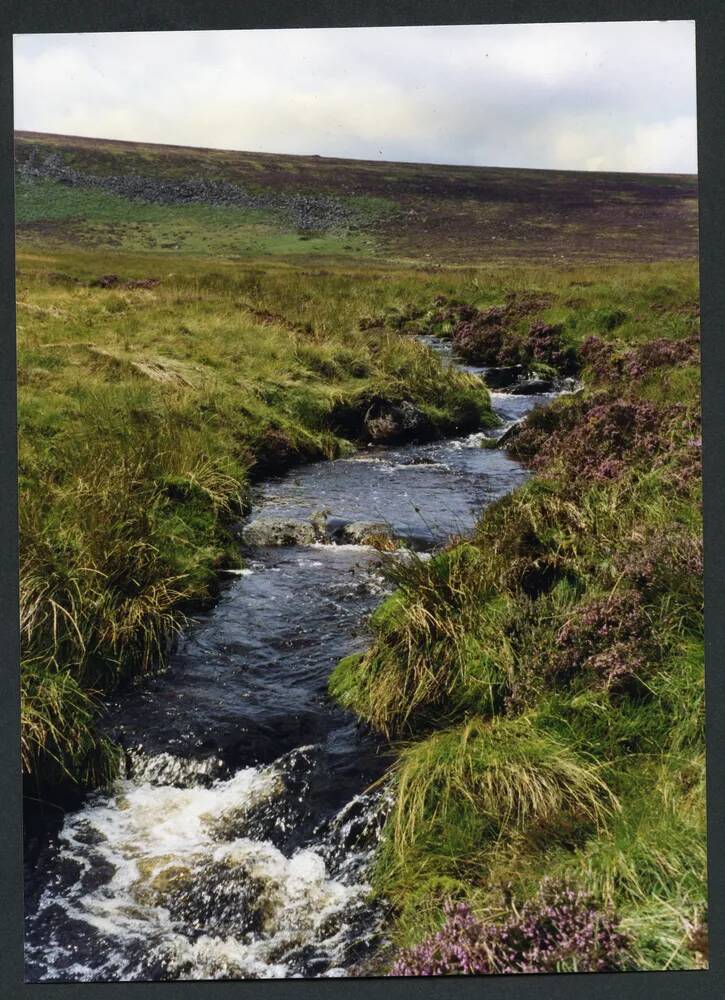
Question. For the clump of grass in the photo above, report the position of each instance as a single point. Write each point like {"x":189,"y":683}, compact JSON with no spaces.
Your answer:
{"x":59,"y":739}
{"x":431,"y":645}
{"x":511,"y":776}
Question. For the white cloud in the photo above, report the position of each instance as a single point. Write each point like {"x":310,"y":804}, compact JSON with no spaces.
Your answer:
{"x":580,"y":96}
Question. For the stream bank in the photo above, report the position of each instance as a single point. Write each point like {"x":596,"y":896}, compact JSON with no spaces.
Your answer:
{"x":237,"y":843}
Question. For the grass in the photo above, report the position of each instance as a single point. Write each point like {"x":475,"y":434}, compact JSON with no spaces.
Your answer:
{"x":544,"y":679}
{"x":142,"y":413}
{"x":48,"y":213}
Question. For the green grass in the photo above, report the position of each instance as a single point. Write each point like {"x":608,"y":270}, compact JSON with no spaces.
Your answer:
{"x":49,"y":212}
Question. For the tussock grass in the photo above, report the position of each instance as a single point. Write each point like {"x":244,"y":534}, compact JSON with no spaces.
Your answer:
{"x":510,"y":775}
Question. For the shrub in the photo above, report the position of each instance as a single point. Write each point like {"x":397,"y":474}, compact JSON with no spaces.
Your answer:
{"x":608,"y":638}
{"x":562,"y":930}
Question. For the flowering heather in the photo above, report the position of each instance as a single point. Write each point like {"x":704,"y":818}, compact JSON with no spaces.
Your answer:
{"x":609,"y":365}
{"x":487,"y":339}
{"x":611,"y":435}
{"x":607,"y":638}
{"x":665,"y":562}
{"x":600,"y":358}
{"x":562,"y":930}
{"x":483,"y":342}
{"x":661,"y":353}
{"x":544,"y":343}
{"x":488,"y":336}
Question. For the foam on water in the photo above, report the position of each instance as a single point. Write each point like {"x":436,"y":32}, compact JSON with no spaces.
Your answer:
{"x":190,"y":888}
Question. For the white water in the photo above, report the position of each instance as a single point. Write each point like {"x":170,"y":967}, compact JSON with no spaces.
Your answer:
{"x":183,"y":857}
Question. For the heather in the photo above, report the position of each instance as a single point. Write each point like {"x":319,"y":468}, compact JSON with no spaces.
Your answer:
{"x":562,"y":930}
{"x":543,"y":679}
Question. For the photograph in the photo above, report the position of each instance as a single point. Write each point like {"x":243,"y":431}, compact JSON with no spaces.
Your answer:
{"x":360,"y":502}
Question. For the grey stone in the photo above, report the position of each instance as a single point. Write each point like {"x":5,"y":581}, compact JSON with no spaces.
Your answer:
{"x":532,"y":387}
{"x":279,"y":531}
{"x":356,"y":532}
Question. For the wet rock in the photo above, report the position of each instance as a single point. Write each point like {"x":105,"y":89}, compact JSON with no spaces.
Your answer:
{"x":279,"y":531}
{"x":509,"y":435}
{"x":531,"y":387}
{"x":362,"y":533}
{"x":503,"y":378}
{"x":217,"y":897}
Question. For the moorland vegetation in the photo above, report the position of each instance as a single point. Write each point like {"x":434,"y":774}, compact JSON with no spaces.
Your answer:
{"x":541,"y":681}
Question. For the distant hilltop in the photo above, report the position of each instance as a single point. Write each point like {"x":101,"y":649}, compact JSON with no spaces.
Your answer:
{"x":453,"y":214}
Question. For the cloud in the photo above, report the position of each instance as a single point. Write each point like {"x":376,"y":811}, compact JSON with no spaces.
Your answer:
{"x":615,"y":96}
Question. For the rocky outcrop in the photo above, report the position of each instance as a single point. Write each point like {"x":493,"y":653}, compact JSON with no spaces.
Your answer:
{"x":307,"y":212}
{"x":267,"y":531}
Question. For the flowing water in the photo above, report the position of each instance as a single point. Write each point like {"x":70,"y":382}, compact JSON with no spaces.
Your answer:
{"x":237,"y":844}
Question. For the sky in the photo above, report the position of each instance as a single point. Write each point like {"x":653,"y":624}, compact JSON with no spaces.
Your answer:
{"x":607,"y":96}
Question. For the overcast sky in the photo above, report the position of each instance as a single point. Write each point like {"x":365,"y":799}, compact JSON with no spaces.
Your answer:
{"x":612,"y":96}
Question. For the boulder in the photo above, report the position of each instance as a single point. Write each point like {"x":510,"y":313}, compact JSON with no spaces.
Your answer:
{"x":358,"y":532}
{"x":502,"y":378}
{"x":509,"y":434}
{"x":396,"y":422}
{"x":279,"y":531}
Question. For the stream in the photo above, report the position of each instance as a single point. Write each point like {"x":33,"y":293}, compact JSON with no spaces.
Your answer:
{"x":238,"y":842}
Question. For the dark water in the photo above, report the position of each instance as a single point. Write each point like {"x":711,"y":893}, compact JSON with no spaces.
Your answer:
{"x":237,"y":844}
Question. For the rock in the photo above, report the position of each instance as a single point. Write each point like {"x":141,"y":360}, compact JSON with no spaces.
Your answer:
{"x":502,"y":378}
{"x":318,"y":520}
{"x":396,"y":422}
{"x":508,"y":435}
{"x":358,"y":532}
{"x":531,"y":387}
{"x":279,"y":531}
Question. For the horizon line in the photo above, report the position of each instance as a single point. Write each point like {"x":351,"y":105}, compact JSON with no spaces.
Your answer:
{"x":29,"y":133}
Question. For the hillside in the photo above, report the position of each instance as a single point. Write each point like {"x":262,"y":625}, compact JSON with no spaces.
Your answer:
{"x":76,"y":191}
